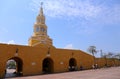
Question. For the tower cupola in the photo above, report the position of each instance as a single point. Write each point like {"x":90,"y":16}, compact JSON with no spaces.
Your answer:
{"x":40,"y":31}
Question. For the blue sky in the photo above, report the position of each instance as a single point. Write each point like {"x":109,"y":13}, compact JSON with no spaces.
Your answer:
{"x":74,"y":24}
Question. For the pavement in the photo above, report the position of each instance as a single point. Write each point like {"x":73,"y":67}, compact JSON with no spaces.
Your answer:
{"x":103,"y":73}
{"x":10,"y":73}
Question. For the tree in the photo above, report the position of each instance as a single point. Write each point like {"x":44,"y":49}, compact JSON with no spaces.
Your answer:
{"x":101,"y":53}
{"x":11,"y":64}
{"x":92,"y":50}
{"x":117,"y":56}
{"x":110,"y":54}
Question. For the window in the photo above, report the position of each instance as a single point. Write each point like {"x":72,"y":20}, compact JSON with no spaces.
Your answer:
{"x":42,"y":29}
{"x":37,"y":29}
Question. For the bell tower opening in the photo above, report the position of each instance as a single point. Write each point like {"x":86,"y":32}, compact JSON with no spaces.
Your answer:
{"x":40,"y":35}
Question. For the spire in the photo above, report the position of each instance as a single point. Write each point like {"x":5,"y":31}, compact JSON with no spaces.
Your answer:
{"x":41,"y":17}
{"x":41,"y":9}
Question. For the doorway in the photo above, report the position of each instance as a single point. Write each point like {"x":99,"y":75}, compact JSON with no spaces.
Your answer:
{"x":14,"y":67}
{"x":47,"y":66}
{"x":72,"y":64}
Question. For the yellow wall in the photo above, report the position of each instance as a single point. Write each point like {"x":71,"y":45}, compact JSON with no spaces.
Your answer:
{"x":110,"y":62}
{"x":35,"y":55}
{"x":29,"y":55}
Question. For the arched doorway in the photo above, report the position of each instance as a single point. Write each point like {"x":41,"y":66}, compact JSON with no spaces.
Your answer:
{"x":47,"y":65}
{"x":72,"y":64}
{"x":14,"y":67}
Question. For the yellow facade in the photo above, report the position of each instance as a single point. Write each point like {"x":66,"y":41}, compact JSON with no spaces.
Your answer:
{"x":40,"y":56}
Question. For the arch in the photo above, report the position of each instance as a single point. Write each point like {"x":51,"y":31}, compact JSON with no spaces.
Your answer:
{"x":18,"y":67}
{"x":72,"y":64}
{"x":47,"y":65}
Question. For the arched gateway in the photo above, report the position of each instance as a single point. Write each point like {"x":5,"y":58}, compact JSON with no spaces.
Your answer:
{"x":72,"y":64}
{"x":15,"y":70}
{"x":47,"y":65}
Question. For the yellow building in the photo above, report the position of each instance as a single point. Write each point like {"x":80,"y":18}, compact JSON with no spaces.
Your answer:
{"x":40,"y":56}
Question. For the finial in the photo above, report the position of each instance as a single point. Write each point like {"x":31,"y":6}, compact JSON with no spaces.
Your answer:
{"x":41,"y":9}
{"x":41,"y":4}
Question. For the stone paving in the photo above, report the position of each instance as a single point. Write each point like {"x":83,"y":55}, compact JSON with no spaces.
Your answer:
{"x":104,"y":73}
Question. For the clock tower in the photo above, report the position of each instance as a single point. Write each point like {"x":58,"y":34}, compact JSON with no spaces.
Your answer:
{"x":40,"y":31}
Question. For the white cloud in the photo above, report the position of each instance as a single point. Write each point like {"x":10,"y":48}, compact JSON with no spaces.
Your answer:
{"x":92,"y":16}
{"x":79,"y":8}
{"x":69,"y":46}
{"x":67,"y":8}
{"x":9,"y":42}
{"x":110,"y":15}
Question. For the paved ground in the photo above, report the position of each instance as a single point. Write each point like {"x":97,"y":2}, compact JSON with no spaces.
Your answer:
{"x":10,"y":72}
{"x":104,"y":73}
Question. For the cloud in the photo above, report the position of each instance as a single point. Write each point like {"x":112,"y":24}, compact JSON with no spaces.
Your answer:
{"x":92,"y":15}
{"x":69,"y":46}
{"x":9,"y":42}
{"x":67,"y":8}
{"x":86,"y":9}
